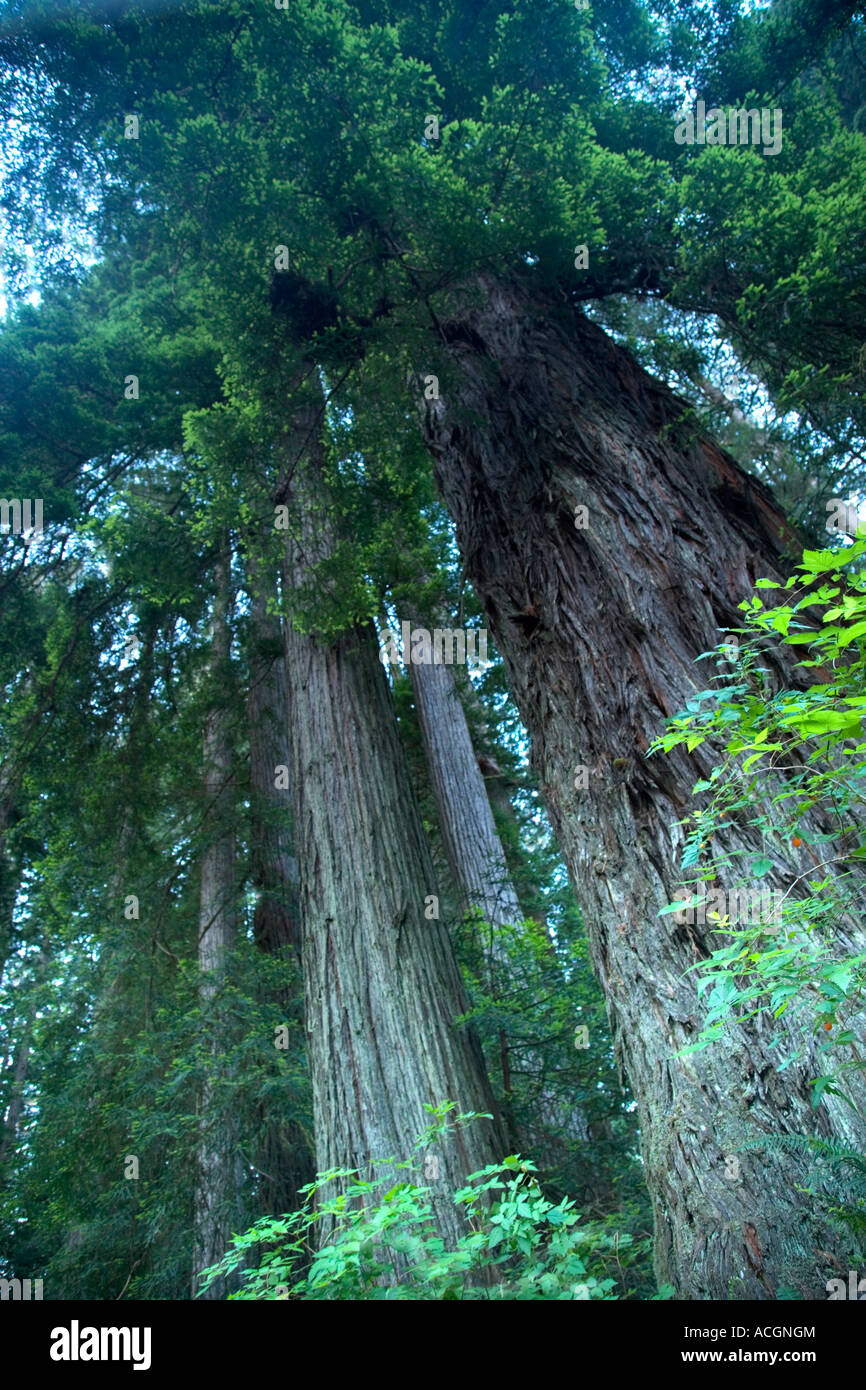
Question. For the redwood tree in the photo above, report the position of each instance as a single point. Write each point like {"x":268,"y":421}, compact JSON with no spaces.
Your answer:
{"x":383,"y":991}
{"x":599,"y":616}
{"x":219,"y":1175}
{"x":480,"y":873}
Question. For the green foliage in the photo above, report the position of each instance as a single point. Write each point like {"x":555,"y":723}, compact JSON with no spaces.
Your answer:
{"x":798,"y":754}
{"x":381,"y":1243}
{"x":829,"y":1156}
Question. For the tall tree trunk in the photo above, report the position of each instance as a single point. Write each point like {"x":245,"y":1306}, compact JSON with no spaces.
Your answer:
{"x":274,"y":869}
{"x":10,"y":872}
{"x":9,"y":881}
{"x":474,"y":850}
{"x":9,"y":1127}
{"x":285,"y":1159}
{"x":475,"y":856}
{"x":219,"y":1168}
{"x":382,"y":985}
{"x":10,"y":1118}
{"x":599,"y":629}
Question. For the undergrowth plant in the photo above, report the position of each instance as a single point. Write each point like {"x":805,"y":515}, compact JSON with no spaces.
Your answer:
{"x":828,"y":1155}
{"x":800,"y":751}
{"x":381,"y":1242}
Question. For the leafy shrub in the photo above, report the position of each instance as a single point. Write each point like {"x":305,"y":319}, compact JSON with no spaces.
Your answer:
{"x":803,"y":752}
{"x":382,"y":1243}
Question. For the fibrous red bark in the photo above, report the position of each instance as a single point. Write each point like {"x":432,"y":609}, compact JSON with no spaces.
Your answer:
{"x":599,"y":628}
{"x":383,"y":990}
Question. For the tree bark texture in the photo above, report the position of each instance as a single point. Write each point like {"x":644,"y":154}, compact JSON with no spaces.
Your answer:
{"x":285,"y":1159}
{"x":599,"y":629}
{"x":274,"y":869}
{"x":382,"y":986}
{"x":477,"y":862}
{"x":219,"y":1165}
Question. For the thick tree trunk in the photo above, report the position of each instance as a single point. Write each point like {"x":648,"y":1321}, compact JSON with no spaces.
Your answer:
{"x":220,"y":1173}
{"x":599,"y":629}
{"x":382,"y":986}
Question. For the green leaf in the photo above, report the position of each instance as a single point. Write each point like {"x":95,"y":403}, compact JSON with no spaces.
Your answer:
{"x":819,"y":561}
{"x":823,"y":1083}
{"x":851,"y":632}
